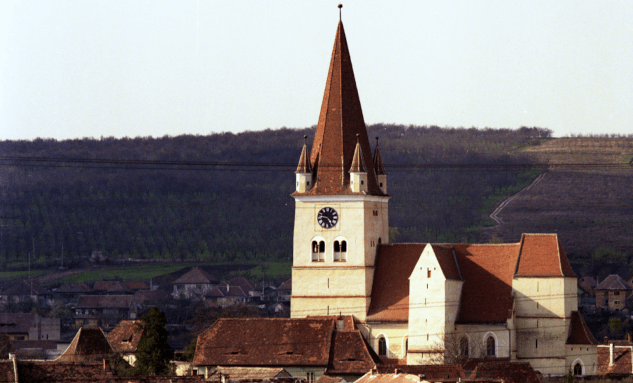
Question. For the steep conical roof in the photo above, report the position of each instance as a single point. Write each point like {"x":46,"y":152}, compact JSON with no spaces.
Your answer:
{"x":358,"y":165}
{"x":379,"y":168}
{"x":304,"y":161}
{"x":340,"y":120}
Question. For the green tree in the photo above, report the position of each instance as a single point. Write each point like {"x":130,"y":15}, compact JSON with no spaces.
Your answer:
{"x":154,"y":353}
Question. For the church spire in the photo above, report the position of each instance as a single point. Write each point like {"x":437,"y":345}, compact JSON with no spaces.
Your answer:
{"x":340,"y":121}
{"x":304,"y":163}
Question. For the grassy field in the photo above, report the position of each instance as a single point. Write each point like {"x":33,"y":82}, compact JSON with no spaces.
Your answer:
{"x":147,"y":271}
{"x":9,"y":275}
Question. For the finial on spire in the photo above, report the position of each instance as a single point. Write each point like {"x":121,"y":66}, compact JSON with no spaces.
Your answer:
{"x":339,"y":12}
{"x":357,"y":138}
{"x":305,"y":139}
{"x":376,"y":141}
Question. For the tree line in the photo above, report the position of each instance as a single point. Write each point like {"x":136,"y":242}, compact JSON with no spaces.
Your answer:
{"x":229,"y":213}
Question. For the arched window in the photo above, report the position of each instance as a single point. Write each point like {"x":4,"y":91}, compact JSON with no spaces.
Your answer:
{"x":382,"y":346}
{"x":463,"y":346}
{"x":578,"y":369}
{"x":490,"y":346}
{"x":340,"y":250}
{"x":318,"y":251}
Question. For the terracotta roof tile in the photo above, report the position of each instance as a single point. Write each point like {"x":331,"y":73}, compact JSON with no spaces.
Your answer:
{"x":613,"y":282}
{"x":243,"y":283}
{"x":197,"y":276}
{"x":73,"y":288}
{"x":111,"y":286}
{"x":579,"y":333}
{"x":105,"y":301}
{"x":24,"y":288}
{"x":16,"y":323}
{"x":286,"y":285}
{"x":390,"y":290}
{"x":340,"y":120}
{"x":236,"y":374}
{"x":7,"y":373}
{"x":543,"y":255}
{"x":446,"y":257}
{"x":508,"y":372}
{"x":487,"y":271}
{"x":622,"y":360}
{"x":137,"y":285}
{"x":431,"y":372}
{"x":90,"y":344}
{"x":350,"y":354}
{"x":126,"y":335}
{"x":266,"y":342}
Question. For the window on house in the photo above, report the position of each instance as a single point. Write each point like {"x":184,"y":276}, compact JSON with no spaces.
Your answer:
{"x":616,"y":293}
{"x":490,"y":346}
{"x":382,"y":346}
{"x":463,"y":346}
{"x":616,"y":302}
{"x":310,"y":377}
{"x":318,"y":251}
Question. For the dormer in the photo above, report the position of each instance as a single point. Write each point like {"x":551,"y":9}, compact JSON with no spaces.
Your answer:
{"x":304,"y":170}
{"x":379,"y":169}
{"x":358,"y":171}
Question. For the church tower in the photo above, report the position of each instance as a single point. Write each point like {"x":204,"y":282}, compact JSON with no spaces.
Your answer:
{"x":341,"y":203}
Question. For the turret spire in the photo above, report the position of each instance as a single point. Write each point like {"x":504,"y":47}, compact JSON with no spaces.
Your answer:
{"x":379,"y":168}
{"x":304,"y":162}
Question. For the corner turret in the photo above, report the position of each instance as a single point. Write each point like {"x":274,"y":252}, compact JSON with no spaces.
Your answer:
{"x":379,"y":169}
{"x":358,"y":171}
{"x":304,"y":169}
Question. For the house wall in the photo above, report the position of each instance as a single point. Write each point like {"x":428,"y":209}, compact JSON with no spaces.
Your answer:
{"x":433,"y":307}
{"x":336,"y":286}
{"x":395,"y":334}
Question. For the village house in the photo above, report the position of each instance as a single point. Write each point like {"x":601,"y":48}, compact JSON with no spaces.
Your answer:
{"x":284,"y":291}
{"x":124,"y":339}
{"x":194,"y":284}
{"x":416,"y":301}
{"x":588,"y":284}
{"x":306,"y":348}
{"x":70,"y":292}
{"x":104,"y":310}
{"x":615,"y":357}
{"x":612,"y":293}
{"x":27,"y":290}
{"x":29,"y":326}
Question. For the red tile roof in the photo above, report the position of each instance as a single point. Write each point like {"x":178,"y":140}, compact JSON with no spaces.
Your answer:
{"x":340,"y":120}
{"x":243,"y":283}
{"x":286,"y":285}
{"x":313,"y":341}
{"x":137,"y":285}
{"x":16,"y":323}
{"x":536,"y":257}
{"x":126,"y":335}
{"x":150,"y":296}
{"x":24,"y":288}
{"x":508,"y":372}
{"x":390,"y":291}
{"x":431,"y":372}
{"x":90,"y":344}
{"x":622,"y":360}
{"x":487,"y":291}
{"x":105,"y":301}
{"x":579,"y":333}
{"x":613,"y":282}
{"x":197,"y":276}
{"x":486,"y":269}
{"x":111,"y":286}
{"x":266,"y":342}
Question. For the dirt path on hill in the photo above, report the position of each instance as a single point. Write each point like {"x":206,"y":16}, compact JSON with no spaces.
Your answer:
{"x":495,"y":214}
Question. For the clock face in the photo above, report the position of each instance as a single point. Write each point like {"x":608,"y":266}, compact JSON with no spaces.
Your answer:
{"x":327,"y":217}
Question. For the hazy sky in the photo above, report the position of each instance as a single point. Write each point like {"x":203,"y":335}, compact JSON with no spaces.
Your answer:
{"x":149,"y":68}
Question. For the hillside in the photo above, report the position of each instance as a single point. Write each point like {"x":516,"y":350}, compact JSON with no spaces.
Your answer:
{"x":585,"y":197}
{"x":226,"y":197}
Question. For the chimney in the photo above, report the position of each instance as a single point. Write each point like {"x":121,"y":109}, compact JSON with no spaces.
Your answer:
{"x":397,"y":371}
{"x":611,"y":354}
{"x":421,"y":377}
{"x":629,"y":337}
{"x":374,"y":371}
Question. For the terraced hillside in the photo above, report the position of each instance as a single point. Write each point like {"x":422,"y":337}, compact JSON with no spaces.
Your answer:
{"x":586,"y":197}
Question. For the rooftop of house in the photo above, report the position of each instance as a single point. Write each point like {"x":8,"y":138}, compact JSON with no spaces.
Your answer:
{"x":486,"y":269}
{"x":622,"y":359}
{"x":16,"y":323}
{"x":286,"y":285}
{"x":265,"y":342}
{"x":243,"y":283}
{"x":111,"y":286}
{"x":73,"y":288}
{"x":411,"y":373}
{"x":24,"y":288}
{"x":143,"y":296}
{"x":196,"y":276}
{"x":90,"y":344}
{"x":615,"y":283}
{"x":105,"y":301}
{"x":248,"y":373}
{"x":579,"y":332}
{"x":507,"y":372}
{"x":126,"y":335}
